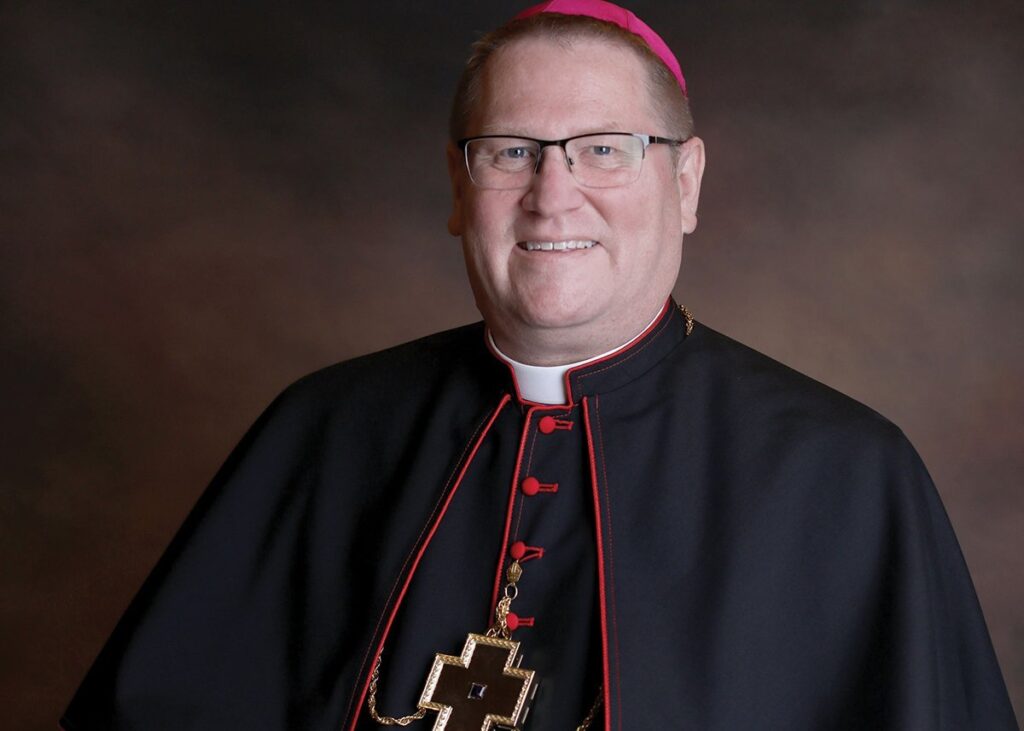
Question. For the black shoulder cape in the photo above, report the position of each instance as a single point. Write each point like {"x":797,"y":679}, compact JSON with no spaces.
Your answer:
{"x":725,"y":544}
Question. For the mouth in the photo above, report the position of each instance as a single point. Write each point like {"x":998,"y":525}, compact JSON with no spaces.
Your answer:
{"x":569,"y":245}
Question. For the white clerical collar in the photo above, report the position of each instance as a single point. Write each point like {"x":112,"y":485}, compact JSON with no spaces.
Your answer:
{"x":546,"y":384}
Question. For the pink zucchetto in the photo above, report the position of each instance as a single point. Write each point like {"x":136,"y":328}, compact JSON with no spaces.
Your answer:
{"x":619,"y":16}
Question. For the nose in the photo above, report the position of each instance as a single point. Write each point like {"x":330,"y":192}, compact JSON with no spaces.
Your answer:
{"x":553,"y":189}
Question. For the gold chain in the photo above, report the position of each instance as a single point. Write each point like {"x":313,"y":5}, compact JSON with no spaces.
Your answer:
{"x":371,"y":701}
{"x":688,"y":317}
{"x":499,"y":628}
{"x":593,"y":711}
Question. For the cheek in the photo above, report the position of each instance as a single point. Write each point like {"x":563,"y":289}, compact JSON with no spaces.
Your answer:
{"x":486,"y":259}
{"x":648,"y":241}
{"x":637,"y":231}
{"x":489,"y":223}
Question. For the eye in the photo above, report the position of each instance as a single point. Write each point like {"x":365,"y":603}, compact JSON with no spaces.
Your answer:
{"x":602,"y":150}
{"x":515,"y":153}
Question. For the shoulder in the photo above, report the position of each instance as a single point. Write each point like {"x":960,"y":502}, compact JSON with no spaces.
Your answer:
{"x":377,"y":400}
{"x":395,"y":374}
{"x":803,"y":453}
{"x":786,"y":409}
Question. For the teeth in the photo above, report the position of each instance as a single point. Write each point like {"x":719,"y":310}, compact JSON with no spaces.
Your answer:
{"x":557,"y":245}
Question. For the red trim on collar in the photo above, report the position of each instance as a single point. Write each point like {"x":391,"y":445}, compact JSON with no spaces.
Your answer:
{"x":568,"y":386}
{"x":419,"y":555}
{"x":616,"y":353}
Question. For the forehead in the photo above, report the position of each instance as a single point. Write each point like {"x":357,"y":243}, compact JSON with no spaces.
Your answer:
{"x":548,"y":88}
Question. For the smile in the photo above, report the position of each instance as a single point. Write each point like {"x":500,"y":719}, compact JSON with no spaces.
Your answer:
{"x":556,"y":245}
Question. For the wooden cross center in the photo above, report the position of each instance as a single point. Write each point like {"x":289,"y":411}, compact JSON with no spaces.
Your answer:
{"x":481,"y":688}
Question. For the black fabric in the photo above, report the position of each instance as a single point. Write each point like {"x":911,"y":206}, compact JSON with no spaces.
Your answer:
{"x":452,"y":590}
{"x":743,"y":548}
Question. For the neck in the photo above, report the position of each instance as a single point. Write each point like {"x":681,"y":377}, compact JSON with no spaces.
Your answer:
{"x":558,"y":347}
{"x":545,"y":384}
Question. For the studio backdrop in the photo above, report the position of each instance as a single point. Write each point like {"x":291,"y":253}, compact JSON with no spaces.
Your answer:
{"x":200,"y":203}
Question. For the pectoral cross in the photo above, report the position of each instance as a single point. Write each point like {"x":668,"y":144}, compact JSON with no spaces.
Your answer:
{"x":482,"y":689}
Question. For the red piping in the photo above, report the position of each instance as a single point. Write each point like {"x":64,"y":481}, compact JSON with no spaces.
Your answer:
{"x":600,"y":568}
{"x":423,"y":547}
{"x":635,"y":341}
{"x":511,"y":508}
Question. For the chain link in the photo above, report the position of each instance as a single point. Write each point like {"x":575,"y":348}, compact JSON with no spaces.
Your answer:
{"x":371,"y":701}
{"x":688,"y":317}
{"x":592,"y":714}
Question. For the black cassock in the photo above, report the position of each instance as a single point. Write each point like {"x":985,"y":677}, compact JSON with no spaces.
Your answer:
{"x":715,"y":540}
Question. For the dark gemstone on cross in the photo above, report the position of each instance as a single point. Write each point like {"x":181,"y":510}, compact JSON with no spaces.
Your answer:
{"x":479,"y":690}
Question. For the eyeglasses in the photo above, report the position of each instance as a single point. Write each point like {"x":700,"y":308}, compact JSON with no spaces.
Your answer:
{"x":601,"y":160}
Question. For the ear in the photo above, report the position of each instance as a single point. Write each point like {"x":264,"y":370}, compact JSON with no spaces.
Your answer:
{"x":456,"y":170}
{"x":689,"y":172}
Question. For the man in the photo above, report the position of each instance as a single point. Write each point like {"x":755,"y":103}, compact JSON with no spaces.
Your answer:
{"x":592,"y":511}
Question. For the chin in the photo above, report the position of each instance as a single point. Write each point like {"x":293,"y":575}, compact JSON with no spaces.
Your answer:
{"x":558,"y":314}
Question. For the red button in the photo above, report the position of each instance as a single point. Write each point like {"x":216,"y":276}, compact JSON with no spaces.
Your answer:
{"x":546,"y":424}
{"x":512,"y":620}
{"x":517,"y":550}
{"x":531,"y":486}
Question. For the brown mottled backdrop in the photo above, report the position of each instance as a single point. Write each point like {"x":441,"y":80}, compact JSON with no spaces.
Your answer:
{"x":200,"y":204}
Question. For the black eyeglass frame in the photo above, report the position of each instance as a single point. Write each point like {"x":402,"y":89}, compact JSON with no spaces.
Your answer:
{"x":648,"y":140}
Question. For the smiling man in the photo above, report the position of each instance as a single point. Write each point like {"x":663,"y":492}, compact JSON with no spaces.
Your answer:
{"x":572,"y":248}
{"x":588,"y":511}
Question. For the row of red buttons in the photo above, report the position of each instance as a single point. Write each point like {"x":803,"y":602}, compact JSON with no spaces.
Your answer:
{"x":520,"y":551}
{"x":531,"y":485}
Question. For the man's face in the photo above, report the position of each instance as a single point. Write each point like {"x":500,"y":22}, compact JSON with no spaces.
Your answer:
{"x":578,"y":299}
